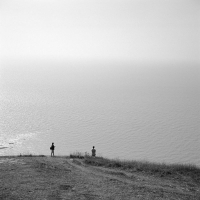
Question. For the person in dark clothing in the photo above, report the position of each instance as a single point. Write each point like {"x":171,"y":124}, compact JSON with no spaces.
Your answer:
{"x":52,"y":149}
{"x":93,"y":152}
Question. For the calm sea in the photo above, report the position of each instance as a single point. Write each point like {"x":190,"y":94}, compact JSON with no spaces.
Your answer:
{"x":126,"y":111}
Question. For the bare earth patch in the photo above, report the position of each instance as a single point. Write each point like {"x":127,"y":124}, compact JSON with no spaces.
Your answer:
{"x":56,"y":178}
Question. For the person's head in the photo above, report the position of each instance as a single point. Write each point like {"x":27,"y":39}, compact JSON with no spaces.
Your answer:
{"x":93,"y":147}
{"x":52,"y":143}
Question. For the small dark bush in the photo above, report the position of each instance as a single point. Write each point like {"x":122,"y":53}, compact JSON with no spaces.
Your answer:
{"x":77,"y":155}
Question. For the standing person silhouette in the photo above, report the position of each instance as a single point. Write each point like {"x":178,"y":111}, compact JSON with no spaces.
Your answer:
{"x":93,"y":152}
{"x":52,"y":149}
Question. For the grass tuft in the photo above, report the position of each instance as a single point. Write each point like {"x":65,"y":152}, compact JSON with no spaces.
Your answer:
{"x":77,"y":155}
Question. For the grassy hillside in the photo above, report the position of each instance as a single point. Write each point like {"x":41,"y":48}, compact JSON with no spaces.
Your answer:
{"x":83,"y":177}
{"x":162,"y":170}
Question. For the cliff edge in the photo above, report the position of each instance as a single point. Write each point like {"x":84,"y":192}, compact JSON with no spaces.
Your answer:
{"x":56,"y":178}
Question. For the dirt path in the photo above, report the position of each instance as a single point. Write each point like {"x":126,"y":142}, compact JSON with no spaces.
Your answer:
{"x":60,"y":178}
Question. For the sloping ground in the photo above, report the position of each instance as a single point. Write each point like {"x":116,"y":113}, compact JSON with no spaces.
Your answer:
{"x":63,"y":178}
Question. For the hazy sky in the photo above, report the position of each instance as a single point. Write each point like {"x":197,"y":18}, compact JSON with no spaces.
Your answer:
{"x":125,"y":30}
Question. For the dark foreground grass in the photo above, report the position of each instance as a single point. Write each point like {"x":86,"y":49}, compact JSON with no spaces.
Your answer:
{"x":34,"y":177}
{"x":38,"y":177}
{"x":158,"y":169}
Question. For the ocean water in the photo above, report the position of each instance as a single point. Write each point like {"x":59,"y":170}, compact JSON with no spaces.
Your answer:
{"x":126,"y":111}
